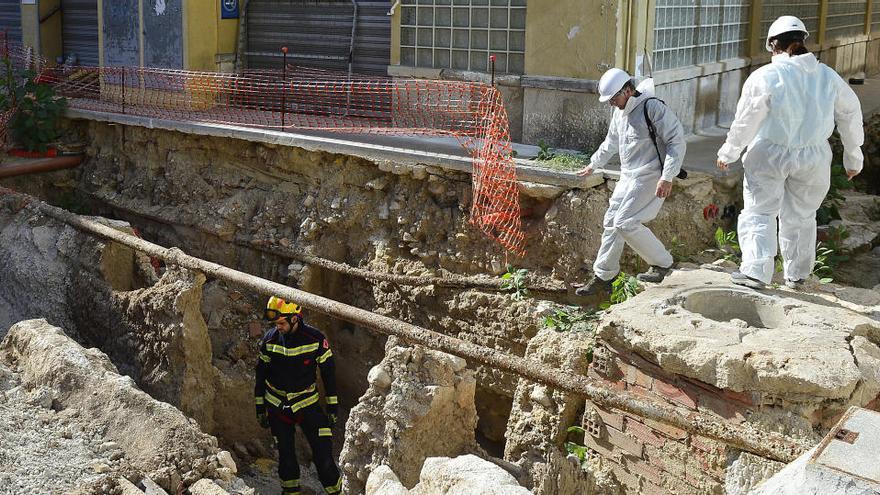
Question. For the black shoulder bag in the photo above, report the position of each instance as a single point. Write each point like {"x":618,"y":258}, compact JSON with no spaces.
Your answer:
{"x":652,"y":131}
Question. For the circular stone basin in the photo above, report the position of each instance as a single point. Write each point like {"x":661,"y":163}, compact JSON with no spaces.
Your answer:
{"x":725,"y":305}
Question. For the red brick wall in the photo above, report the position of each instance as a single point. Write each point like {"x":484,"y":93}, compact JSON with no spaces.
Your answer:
{"x":648,"y":457}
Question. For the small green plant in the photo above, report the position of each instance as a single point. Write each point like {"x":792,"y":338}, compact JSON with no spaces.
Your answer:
{"x":545,"y":152}
{"x":679,"y":250}
{"x":35,"y":122}
{"x":580,"y":451}
{"x":828,"y":255}
{"x":830,"y":209}
{"x":515,"y":281}
{"x":567,"y":161}
{"x":562,"y":320}
{"x":622,"y":288}
{"x":728,"y":244}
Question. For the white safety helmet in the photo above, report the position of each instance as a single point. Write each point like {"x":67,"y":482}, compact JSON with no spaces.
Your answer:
{"x":785,"y":24}
{"x":611,"y":82}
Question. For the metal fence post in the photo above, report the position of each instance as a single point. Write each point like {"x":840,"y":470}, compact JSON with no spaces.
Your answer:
{"x":283,"y":86}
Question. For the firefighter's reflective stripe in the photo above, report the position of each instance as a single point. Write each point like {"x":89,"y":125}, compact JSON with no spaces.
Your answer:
{"x":290,"y":395}
{"x":325,"y":356}
{"x":292,"y":351}
{"x":335,"y":488}
{"x":265,"y":358}
{"x":290,"y":491}
{"x":332,"y":399}
{"x":296,"y":406}
{"x":259,"y":401}
{"x":325,"y":432}
{"x":294,"y":483}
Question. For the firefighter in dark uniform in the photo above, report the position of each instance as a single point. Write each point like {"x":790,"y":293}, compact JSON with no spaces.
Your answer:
{"x":286,"y":394}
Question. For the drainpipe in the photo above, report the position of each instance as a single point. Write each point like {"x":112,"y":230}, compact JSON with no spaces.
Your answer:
{"x":241,"y":43}
{"x":393,"y":8}
{"x":354,"y":23}
{"x":37,"y":166}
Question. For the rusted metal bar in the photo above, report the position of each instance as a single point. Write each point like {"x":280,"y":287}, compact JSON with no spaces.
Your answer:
{"x":42,"y":165}
{"x":744,"y":437}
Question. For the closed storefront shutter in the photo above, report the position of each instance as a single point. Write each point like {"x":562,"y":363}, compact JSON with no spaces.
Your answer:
{"x":80,"y":31}
{"x":10,"y":19}
{"x":318,"y":34}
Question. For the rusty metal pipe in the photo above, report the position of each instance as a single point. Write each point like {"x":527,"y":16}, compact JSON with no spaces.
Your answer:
{"x":41,"y":165}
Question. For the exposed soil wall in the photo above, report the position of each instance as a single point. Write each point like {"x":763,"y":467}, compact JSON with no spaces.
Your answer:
{"x":246,"y":204}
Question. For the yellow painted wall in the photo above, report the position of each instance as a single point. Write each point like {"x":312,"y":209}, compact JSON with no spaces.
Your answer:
{"x":30,"y":31}
{"x":200,"y":22}
{"x":100,"y":33}
{"x":50,"y":31}
{"x":206,"y":35}
{"x":395,"y":37}
{"x":227,"y":35}
{"x":571,"y":38}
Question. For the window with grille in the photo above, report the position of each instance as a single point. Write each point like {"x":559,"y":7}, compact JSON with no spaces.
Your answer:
{"x":875,"y":17}
{"x":461,"y":34}
{"x":845,"y":18}
{"x":807,"y":11}
{"x":689,"y":32}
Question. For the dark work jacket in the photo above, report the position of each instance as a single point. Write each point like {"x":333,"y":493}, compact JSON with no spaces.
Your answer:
{"x":286,"y":369}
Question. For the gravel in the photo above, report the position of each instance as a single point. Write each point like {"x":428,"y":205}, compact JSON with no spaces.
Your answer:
{"x":43,"y":451}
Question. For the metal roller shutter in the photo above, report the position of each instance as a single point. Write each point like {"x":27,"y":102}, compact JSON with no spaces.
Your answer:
{"x":10,"y":18}
{"x":318,"y":34}
{"x":80,"y":30}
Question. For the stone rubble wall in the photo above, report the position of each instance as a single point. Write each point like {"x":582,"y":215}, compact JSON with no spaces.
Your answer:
{"x":420,"y":404}
{"x":244,"y":204}
{"x":538,"y":427}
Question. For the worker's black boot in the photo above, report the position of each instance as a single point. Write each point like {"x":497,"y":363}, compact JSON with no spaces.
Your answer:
{"x":655,"y":274}
{"x":595,"y":286}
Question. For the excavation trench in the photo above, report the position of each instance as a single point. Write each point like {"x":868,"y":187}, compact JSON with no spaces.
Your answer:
{"x":767,"y":445}
{"x":376,"y":249}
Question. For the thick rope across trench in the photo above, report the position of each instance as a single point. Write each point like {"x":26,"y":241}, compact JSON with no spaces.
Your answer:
{"x":744,"y":437}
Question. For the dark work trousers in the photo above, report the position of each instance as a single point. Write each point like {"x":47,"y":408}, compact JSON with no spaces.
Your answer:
{"x":316,"y":427}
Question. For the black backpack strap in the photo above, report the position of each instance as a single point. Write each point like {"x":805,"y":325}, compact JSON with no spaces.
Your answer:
{"x":652,"y":131}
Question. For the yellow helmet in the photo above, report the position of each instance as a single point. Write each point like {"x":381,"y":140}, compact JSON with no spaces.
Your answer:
{"x":278,"y":308}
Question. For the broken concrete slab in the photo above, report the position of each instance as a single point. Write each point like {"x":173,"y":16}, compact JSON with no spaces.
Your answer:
{"x":774,"y":342}
{"x":844,"y":463}
{"x":206,"y":487}
{"x":127,"y":487}
{"x":444,"y":475}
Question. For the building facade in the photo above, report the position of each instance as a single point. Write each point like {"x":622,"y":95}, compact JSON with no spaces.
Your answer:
{"x":548,"y":54}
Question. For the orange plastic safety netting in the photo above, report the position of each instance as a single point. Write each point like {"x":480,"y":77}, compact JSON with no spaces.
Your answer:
{"x":311,"y":99}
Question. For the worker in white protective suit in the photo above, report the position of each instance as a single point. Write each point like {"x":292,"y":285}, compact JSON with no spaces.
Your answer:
{"x":785,"y":115}
{"x":649,"y":139}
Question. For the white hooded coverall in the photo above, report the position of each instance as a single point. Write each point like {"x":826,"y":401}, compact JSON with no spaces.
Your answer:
{"x":785,"y":115}
{"x":634,"y":200}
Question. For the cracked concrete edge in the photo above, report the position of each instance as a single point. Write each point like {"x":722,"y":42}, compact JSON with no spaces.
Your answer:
{"x":372,"y":152}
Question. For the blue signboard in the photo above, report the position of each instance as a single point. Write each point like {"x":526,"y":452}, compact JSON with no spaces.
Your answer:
{"x":229,"y":9}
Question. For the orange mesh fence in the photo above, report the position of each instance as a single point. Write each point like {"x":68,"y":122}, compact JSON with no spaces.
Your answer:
{"x":310,"y":99}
